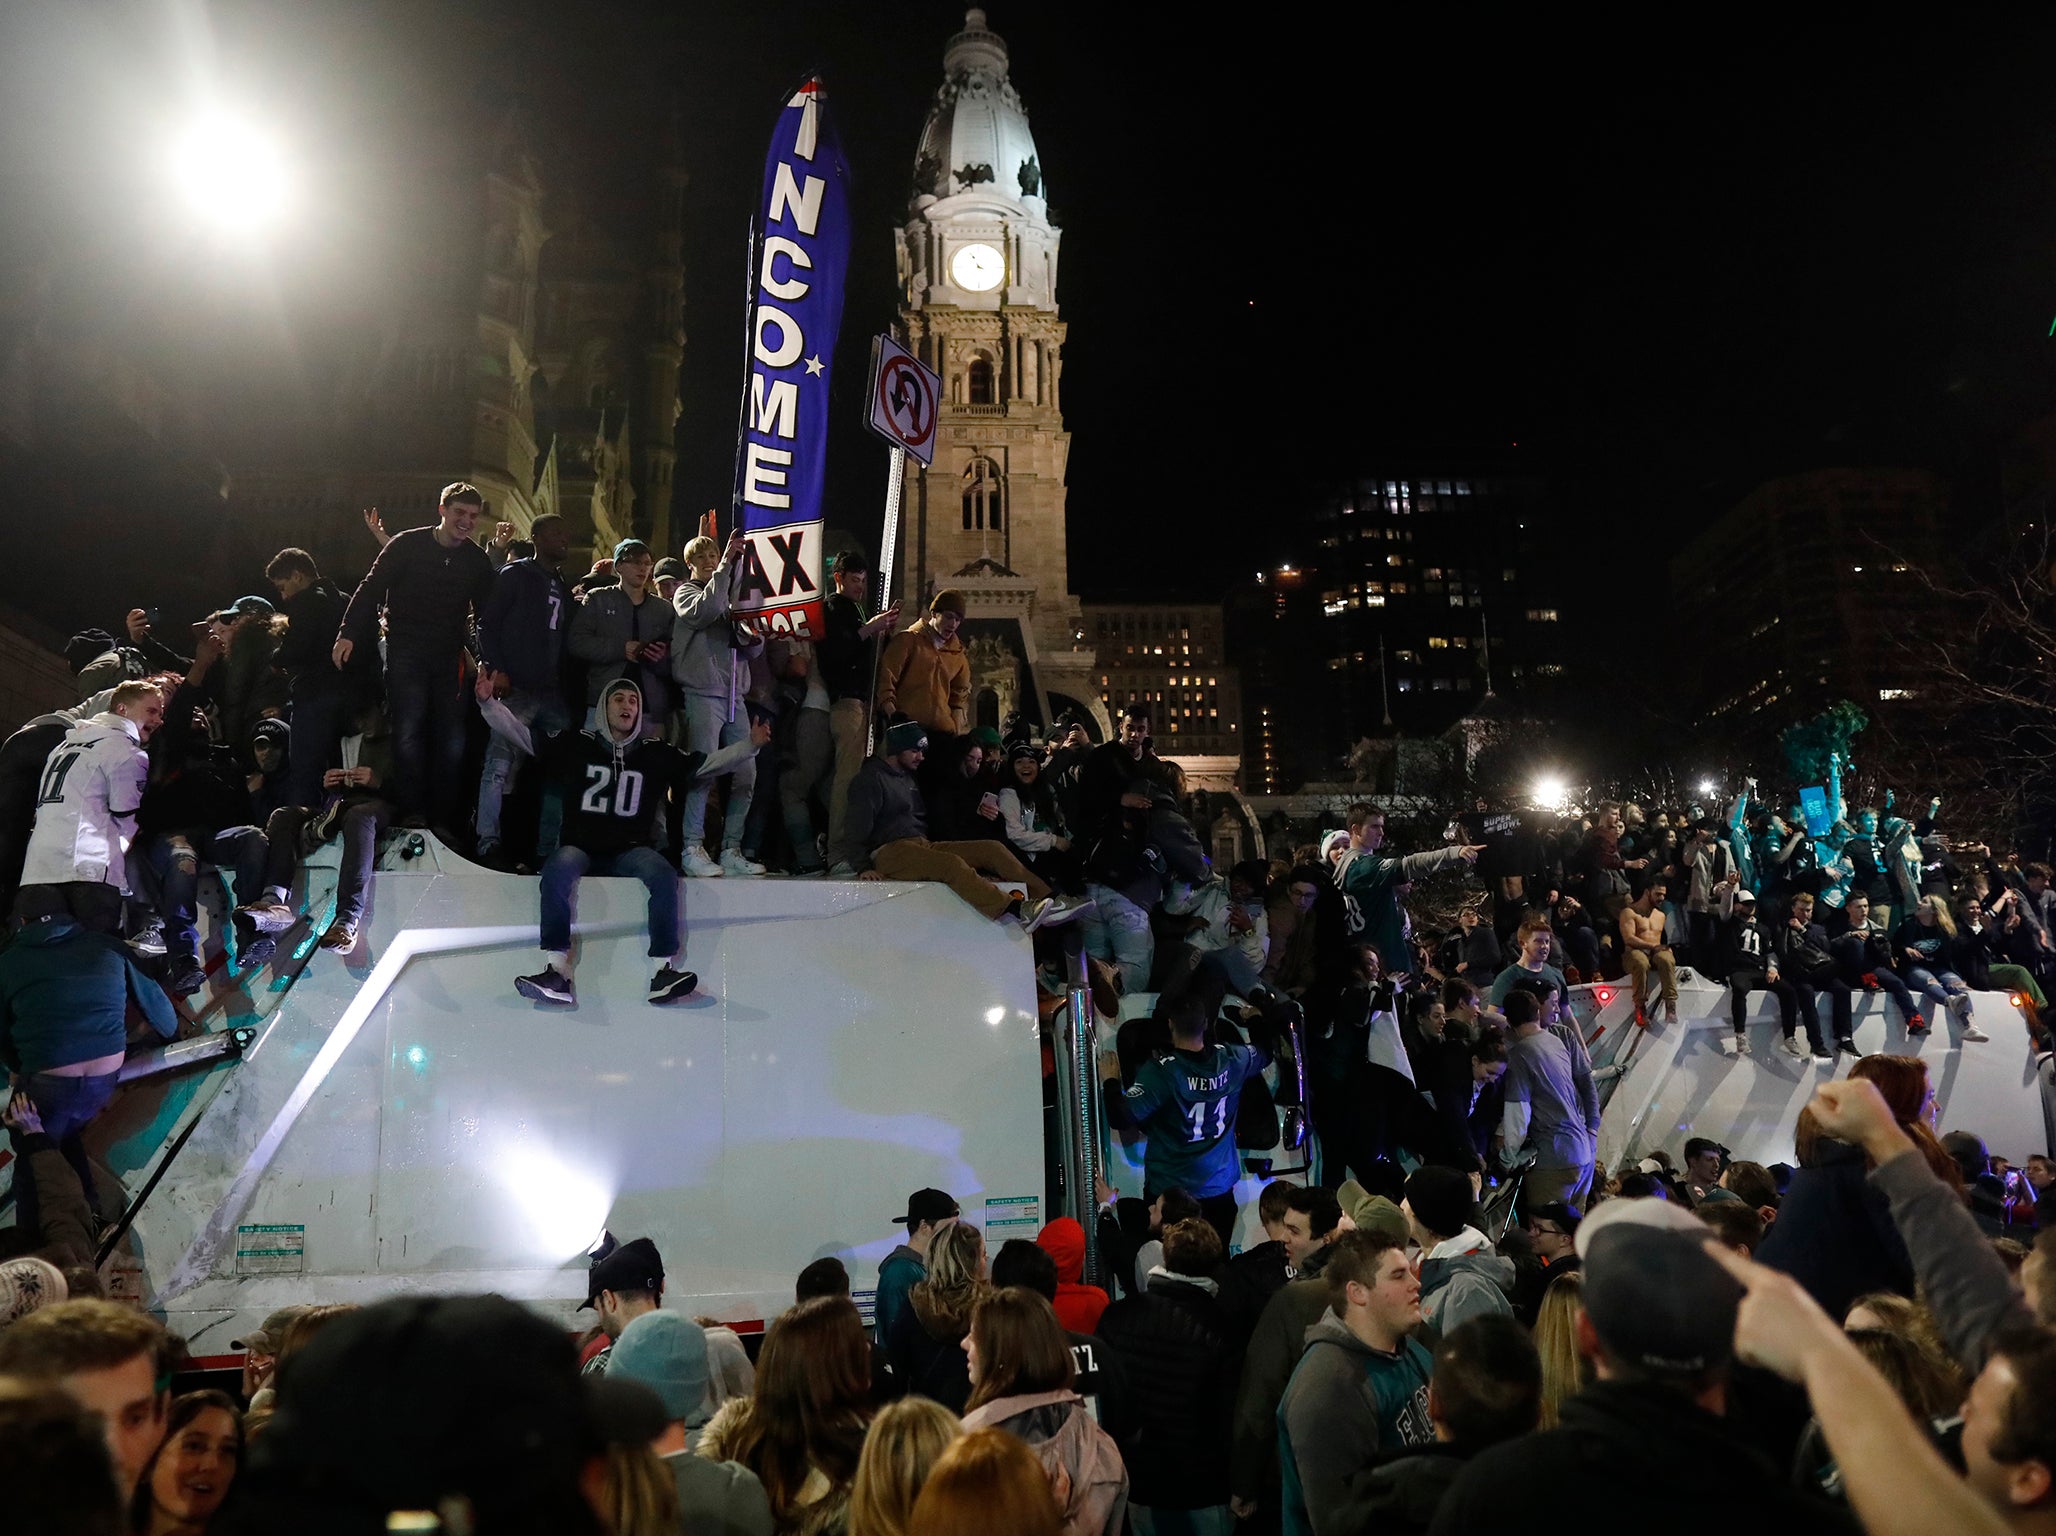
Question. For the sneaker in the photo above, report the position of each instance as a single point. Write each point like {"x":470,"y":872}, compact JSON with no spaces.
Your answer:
{"x":1064,"y":909}
{"x":1741,"y":1045}
{"x":1034,"y":913}
{"x":842,"y":871}
{"x":263,"y":917}
{"x":1670,"y":1012}
{"x":698,"y":866}
{"x":547,"y":985}
{"x":1959,"y":1004}
{"x":735,"y":862}
{"x":149,"y":939}
{"x":1847,"y":1044}
{"x":1793,"y":1047}
{"x":1972,"y":1034}
{"x":1607,"y":1073}
{"x":184,"y":976}
{"x":668,"y":984}
{"x":340,"y":935}
{"x":1822,"y":1053}
{"x":1915,"y":1024}
{"x":255,"y":953}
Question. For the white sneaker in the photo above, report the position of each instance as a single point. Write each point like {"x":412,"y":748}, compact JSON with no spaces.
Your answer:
{"x":1972,"y":1033}
{"x":1959,"y":1004}
{"x":1794,"y":1048}
{"x":698,"y":866}
{"x":734,"y":862}
{"x":1063,"y":909}
{"x":1741,"y":1045}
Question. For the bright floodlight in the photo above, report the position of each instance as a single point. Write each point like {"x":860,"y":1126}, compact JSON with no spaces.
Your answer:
{"x":1552,"y":794}
{"x":232,"y":173}
{"x":1706,"y":786}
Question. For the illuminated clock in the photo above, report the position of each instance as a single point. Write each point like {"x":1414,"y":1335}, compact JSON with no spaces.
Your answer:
{"x":977,"y":267}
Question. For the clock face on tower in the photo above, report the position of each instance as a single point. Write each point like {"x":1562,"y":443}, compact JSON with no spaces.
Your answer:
{"x":977,"y":267}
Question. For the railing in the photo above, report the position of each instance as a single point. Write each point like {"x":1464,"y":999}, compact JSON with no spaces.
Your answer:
{"x":1080,"y":1118}
{"x":978,"y":410}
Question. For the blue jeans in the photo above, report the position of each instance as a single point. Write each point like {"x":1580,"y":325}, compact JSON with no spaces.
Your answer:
{"x":1117,"y":931}
{"x":568,"y":865}
{"x":67,"y":1106}
{"x":317,"y":736}
{"x":425,"y":700}
{"x":1939,"y":985}
{"x":706,"y":729}
{"x":542,"y":713}
{"x":239,"y":850}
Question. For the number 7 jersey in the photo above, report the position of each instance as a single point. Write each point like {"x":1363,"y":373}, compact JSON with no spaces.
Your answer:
{"x":86,"y":804}
{"x":1186,"y":1101}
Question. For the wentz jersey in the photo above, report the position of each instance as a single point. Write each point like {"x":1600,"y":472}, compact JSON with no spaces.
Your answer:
{"x":86,"y":804}
{"x":611,"y":792}
{"x":1185,"y":1101}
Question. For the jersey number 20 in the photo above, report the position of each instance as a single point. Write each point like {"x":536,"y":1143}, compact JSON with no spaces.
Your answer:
{"x":625,"y":799}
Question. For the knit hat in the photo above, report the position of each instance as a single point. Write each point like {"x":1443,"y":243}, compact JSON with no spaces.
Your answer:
{"x":28,"y":1284}
{"x":629,"y":548}
{"x":906,"y":736}
{"x":1440,"y":1199}
{"x":948,"y":600}
{"x":667,"y":1353}
{"x":1027,"y":749}
{"x":985,"y":736}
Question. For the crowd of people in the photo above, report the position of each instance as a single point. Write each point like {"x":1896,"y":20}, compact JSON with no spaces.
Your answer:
{"x":1859,"y":1340}
{"x":1866,"y":1341}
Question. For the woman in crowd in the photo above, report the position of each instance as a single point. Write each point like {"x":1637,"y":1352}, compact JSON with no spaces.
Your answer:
{"x":1565,"y":1371}
{"x":1834,"y":1233}
{"x":1883,"y":1312}
{"x":1034,"y":826}
{"x":802,"y":1431}
{"x":928,"y":1334}
{"x":906,"y":1440}
{"x":1923,"y":950}
{"x":986,"y":1484}
{"x":1021,"y":1373}
{"x":638,"y":1496}
{"x":194,"y":1469}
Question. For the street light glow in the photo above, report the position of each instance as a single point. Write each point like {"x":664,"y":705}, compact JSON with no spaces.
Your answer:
{"x":232,"y":173}
{"x":1552,"y":794}
{"x":1706,"y":786}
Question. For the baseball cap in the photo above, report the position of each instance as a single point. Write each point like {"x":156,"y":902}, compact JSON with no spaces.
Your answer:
{"x":1373,"y":1213}
{"x":1657,"y":1299}
{"x":242,"y":607}
{"x":418,"y":1399}
{"x":1637,"y":1213}
{"x":927,"y":1205}
{"x":632,"y":1266}
{"x":1744,"y":894}
{"x":666,"y":1352}
{"x":266,"y":1337}
{"x":1559,"y":1212}
{"x":670,"y":565}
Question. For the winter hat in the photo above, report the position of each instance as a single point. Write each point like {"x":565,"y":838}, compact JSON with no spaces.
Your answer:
{"x":86,"y":647}
{"x":1372,"y":1213}
{"x":948,"y":600}
{"x":1440,"y":1199}
{"x":277,"y":732}
{"x":631,"y":548}
{"x":1027,"y":749}
{"x":28,"y":1284}
{"x":906,"y":736}
{"x":667,"y":1353}
{"x":985,"y":736}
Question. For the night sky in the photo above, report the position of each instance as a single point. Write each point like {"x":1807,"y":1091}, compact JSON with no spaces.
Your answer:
{"x":1665,"y":265}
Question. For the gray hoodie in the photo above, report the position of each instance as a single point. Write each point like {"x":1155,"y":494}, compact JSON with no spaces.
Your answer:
{"x":1471,"y":1282}
{"x":1346,"y":1402}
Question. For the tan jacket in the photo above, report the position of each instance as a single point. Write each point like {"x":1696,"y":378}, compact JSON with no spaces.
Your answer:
{"x":933,"y":685}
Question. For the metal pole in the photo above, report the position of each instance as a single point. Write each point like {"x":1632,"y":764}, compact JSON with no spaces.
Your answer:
{"x":888,"y":544}
{"x":1082,"y":1122}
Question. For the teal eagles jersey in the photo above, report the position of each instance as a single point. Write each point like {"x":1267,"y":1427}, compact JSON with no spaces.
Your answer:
{"x":1185,"y":1102}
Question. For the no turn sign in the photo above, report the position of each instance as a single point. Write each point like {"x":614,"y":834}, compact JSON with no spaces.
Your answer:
{"x":905,"y":399}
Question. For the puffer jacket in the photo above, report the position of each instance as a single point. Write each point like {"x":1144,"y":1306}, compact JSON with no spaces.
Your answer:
{"x":1174,"y":1345}
{"x":929,"y":682}
{"x":1083,"y":1465}
{"x":1472,"y":1281}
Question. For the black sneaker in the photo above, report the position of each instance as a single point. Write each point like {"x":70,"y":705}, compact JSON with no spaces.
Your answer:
{"x":184,"y":976}
{"x":1847,"y":1044}
{"x":668,"y":985}
{"x":547,"y":985}
{"x":255,"y":953}
{"x":149,"y":939}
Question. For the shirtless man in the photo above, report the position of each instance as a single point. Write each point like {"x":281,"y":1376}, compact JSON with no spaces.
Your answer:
{"x":1643,"y":949}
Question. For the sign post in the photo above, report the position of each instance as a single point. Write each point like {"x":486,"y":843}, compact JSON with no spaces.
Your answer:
{"x":905,"y":408}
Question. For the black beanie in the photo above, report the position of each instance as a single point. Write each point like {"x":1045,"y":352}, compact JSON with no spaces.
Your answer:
{"x":1441,"y":1199}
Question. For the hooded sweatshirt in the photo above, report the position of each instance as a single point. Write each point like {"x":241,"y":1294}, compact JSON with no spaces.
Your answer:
{"x":1078,"y":1306}
{"x":612,"y":785}
{"x":1462,"y":1278}
{"x":1346,"y":1402}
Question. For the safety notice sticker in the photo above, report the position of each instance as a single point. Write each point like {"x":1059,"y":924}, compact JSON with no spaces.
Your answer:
{"x":271,"y":1250}
{"x":1011,"y":1216}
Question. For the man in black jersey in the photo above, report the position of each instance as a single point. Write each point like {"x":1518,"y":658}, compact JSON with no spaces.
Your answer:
{"x":612,"y":781}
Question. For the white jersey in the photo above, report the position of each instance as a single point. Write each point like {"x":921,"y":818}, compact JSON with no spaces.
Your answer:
{"x":86,"y":806}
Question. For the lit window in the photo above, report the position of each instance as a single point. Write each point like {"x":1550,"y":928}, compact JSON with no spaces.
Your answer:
{"x":1374,"y":602}
{"x":1541,"y":615}
{"x":1895,"y":693}
{"x":1438,"y":642}
{"x":1395,"y":559}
